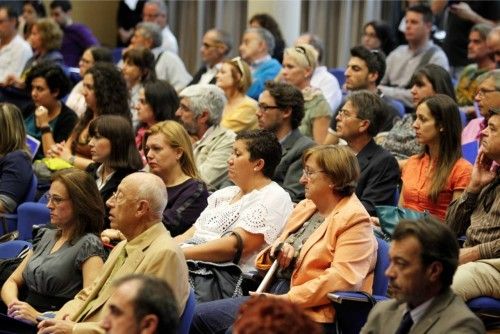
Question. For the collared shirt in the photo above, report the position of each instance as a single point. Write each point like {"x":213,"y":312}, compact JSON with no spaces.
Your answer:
{"x":13,"y":57}
{"x":285,"y":137}
{"x":209,"y":74}
{"x":100,"y":181}
{"x":417,"y":313}
{"x":257,"y":62}
{"x":205,"y":135}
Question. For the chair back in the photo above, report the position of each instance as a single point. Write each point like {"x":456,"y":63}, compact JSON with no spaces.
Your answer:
{"x":12,"y":249}
{"x":338,"y":72}
{"x":187,"y":316}
{"x":470,"y":151}
{"x":399,"y":106}
{"x":380,"y":281}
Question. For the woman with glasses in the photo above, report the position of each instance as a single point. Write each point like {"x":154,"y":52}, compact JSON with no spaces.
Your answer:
{"x":439,"y":174}
{"x":157,"y":102}
{"x":92,"y":55}
{"x":68,"y":257}
{"x":255,"y":208}
{"x":15,"y":160}
{"x":299,"y":63}
{"x":234,"y":78}
{"x":114,"y":154}
{"x":326,"y":245}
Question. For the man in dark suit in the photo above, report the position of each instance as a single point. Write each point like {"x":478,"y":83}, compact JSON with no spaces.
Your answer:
{"x":424,"y":257}
{"x":216,"y":45}
{"x":281,"y":108}
{"x":358,"y":122}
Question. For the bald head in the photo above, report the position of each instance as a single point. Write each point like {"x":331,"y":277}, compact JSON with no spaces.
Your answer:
{"x":493,"y":43}
{"x":150,"y":188}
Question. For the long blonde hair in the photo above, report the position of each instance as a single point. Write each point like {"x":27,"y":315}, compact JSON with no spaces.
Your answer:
{"x":177,"y":137}
{"x":12,"y":133}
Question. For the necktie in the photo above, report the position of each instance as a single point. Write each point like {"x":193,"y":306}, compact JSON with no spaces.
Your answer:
{"x":405,"y":325}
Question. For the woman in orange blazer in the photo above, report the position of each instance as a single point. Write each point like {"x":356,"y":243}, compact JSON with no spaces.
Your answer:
{"x":327,"y":244}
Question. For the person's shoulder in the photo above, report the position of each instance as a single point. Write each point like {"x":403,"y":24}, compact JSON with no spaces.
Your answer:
{"x":18,"y":156}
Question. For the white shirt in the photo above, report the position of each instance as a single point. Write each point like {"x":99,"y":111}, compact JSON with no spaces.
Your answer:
{"x":76,"y":100}
{"x":170,"y":67}
{"x":209,"y":74}
{"x":13,"y":57}
{"x":329,"y":86}
{"x":169,"y":42}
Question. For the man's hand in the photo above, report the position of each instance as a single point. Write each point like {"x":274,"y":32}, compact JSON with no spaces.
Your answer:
{"x":52,"y":326}
{"x":482,"y":174}
{"x":463,"y":11}
{"x":469,"y":254}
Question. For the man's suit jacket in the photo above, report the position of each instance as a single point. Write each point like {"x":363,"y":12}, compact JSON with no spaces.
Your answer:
{"x":155,"y":253}
{"x":211,"y":154}
{"x":289,"y":170}
{"x":379,"y":177}
{"x":446,"y":314}
{"x":197,"y":76}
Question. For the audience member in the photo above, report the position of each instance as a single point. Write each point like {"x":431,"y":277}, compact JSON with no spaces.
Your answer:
{"x":365,"y":70}
{"x":170,"y":156}
{"x":256,"y":48}
{"x":215,"y":45}
{"x":406,"y":59}
{"x":105,"y":93}
{"x":424,"y":257}
{"x":475,"y":214}
{"x":15,"y":160}
{"x":357,"y":123}
{"x":138,"y":68}
{"x":129,"y":14}
{"x":14,"y":50}
{"x":378,"y":35}
{"x":460,"y":18}
{"x":168,"y":66}
{"x":90,"y":57}
{"x":234,"y":79}
{"x":267,"y":22}
{"x":66,"y":258}
{"x":433,"y":178}
{"x":281,"y":108}
{"x":321,"y":78}
{"x":326,"y":245}
{"x":493,"y":43}
{"x":136,"y":210}
{"x":114,"y":154}
{"x":200,"y":111}
{"x":427,"y":81}
{"x":77,"y":37}
{"x":32,"y":11}
{"x":271,"y":315}
{"x":487,"y":97}
{"x":483,"y":61}
{"x":299,"y":63}
{"x":155,"y":11}
{"x":253,"y":210}
{"x":158,"y":101}
{"x":141,"y":304}
{"x":48,"y":119}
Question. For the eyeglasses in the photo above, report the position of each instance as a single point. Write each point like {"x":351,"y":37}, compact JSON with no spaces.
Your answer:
{"x":481,"y":92}
{"x":308,"y":173}
{"x":344,"y":113}
{"x":239,"y":64}
{"x":302,"y":50}
{"x":56,"y":200}
{"x":264,"y":107}
{"x":184,"y":107}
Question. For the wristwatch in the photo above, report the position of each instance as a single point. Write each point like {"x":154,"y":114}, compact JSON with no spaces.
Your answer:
{"x":45,"y":129}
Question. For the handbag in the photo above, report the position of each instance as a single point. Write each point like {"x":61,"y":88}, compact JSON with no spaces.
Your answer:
{"x":213,"y":281}
{"x":389,"y":217}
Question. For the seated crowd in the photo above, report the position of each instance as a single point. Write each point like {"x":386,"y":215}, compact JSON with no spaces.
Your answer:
{"x":262,"y":162}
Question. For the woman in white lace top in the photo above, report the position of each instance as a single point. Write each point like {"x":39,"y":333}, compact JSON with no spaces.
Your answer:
{"x":256,"y":208}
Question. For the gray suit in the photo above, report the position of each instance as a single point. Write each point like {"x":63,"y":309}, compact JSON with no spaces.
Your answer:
{"x":446,"y":314}
{"x":289,"y":170}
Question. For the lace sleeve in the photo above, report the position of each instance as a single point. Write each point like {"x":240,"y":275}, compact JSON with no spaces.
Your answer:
{"x":91,"y":246}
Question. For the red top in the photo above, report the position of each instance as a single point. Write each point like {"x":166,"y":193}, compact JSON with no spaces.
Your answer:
{"x":417,"y":180}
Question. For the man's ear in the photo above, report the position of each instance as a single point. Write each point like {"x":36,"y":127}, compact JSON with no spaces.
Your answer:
{"x":434,"y":271}
{"x":204,"y":117}
{"x":287,"y":113}
{"x":373,"y":77}
{"x":365,"y":124}
{"x":148,"y":324}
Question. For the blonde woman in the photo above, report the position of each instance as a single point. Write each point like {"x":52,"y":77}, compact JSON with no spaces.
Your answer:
{"x":234,"y":78}
{"x":170,"y":156}
{"x":299,"y":63}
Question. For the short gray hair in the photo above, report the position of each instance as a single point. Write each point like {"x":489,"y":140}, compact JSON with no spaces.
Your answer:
{"x":225,"y":38}
{"x":152,"y":189}
{"x":162,"y":7}
{"x":151,"y":30}
{"x":264,"y":35}
{"x":494,"y":74}
{"x":206,"y":97}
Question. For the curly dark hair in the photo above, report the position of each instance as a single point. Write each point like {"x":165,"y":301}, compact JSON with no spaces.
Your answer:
{"x":287,"y":96}
{"x":54,"y":76}
{"x":264,"y":315}
{"x":262,"y":144}
{"x":111,"y":96}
